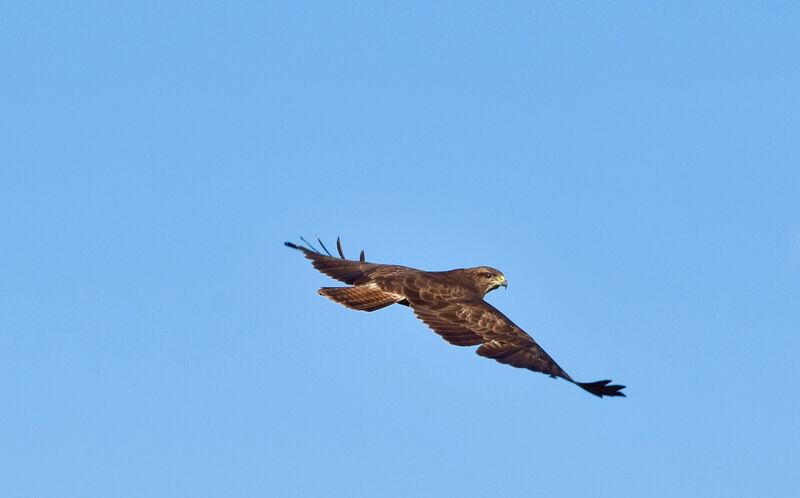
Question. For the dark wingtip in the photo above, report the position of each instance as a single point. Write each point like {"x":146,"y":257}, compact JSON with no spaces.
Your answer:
{"x":602,"y":388}
{"x":298,"y":247}
{"x":339,"y":247}
{"x":310,"y":245}
{"x":308,"y":249}
{"x":323,"y":247}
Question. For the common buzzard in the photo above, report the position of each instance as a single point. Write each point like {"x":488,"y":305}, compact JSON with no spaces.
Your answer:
{"x":449,"y":302}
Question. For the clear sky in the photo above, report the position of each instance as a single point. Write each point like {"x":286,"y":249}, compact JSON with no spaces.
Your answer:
{"x":632,"y":168}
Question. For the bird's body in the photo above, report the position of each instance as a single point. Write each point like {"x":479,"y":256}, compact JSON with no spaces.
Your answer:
{"x":450,"y":302}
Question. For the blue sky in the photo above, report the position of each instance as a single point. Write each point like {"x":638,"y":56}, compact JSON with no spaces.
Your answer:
{"x":632,"y":168}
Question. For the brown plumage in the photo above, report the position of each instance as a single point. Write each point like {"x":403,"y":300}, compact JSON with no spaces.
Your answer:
{"x":449,"y":302}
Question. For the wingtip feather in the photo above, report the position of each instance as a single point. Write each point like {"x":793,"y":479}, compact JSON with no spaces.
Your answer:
{"x":323,"y":247}
{"x":310,"y":245}
{"x":339,"y":247}
{"x":602,"y":388}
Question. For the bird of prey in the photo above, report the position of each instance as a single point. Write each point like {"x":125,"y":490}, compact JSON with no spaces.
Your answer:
{"x":449,"y":302}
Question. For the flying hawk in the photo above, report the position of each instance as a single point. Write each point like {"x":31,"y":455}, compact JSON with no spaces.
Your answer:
{"x":449,"y":302}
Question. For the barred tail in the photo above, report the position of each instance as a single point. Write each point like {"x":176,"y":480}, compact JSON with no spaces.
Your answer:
{"x":360,"y":297}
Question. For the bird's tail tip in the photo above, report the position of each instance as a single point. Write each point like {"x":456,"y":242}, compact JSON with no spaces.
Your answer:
{"x":602,"y":388}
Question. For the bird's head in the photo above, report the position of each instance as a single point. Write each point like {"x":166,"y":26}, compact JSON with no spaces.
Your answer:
{"x":487,"y":279}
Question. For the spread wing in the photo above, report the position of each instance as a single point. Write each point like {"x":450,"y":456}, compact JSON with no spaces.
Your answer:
{"x":342,"y":269}
{"x":473,"y":322}
{"x":478,"y":322}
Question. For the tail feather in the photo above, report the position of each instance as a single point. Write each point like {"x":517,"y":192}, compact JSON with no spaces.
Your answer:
{"x":602,"y":388}
{"x":361,"y":297}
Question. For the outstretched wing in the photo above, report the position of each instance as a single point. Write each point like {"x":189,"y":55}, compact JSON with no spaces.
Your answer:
{"x":342,"y":269}
{"x":473,"y":322}
{"x":481,"y":323}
